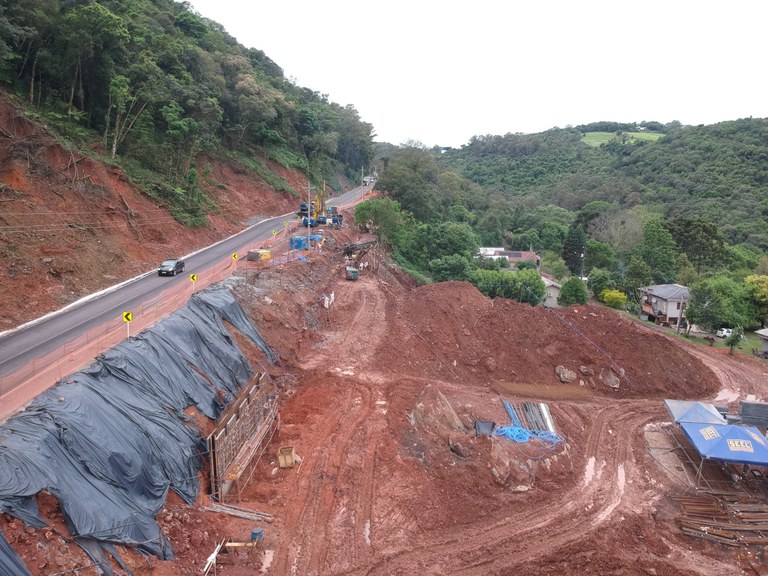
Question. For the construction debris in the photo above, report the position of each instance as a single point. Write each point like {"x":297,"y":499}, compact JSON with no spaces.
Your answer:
{"x":240,"y":512}
{"x":734,"y":522}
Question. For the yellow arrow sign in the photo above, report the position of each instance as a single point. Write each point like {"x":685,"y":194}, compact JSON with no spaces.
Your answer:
{"x":286,"y":224}
{"x":235,"y":256}
{"x":127,"y":316}
{"x":274,"y":232}
{"x":193,"y":277}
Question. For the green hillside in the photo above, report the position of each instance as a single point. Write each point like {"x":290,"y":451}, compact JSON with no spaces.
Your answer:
{"x":150,"y":84}
{"x":600,"y":138}
{"x":716,"y":172}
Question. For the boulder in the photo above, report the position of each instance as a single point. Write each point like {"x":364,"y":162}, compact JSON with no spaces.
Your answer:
{"x":565,"y":375}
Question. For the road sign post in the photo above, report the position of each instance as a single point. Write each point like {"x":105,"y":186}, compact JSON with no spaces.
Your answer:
{"x":128,"y":318}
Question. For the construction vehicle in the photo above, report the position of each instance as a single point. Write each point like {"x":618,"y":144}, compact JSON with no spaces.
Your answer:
{"x":305,"y":209}
{"x":351,"y":273}
{"x":356,"y":251}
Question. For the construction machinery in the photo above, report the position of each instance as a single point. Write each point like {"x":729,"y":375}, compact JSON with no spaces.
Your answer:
{"x":357,"y":250}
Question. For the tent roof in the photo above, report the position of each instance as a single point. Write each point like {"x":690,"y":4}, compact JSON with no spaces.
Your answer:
{"x":684,"y":411}
{"x":741,"y":444}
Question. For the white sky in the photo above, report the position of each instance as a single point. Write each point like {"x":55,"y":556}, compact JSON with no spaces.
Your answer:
{"x":440,"y":72}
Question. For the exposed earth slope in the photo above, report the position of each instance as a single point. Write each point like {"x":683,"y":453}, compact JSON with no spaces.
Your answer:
{"x":379,"y":396}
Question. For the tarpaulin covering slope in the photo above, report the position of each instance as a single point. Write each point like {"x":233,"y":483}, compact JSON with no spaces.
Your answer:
{"x":685,"y":411}
{"x":740,"y":444}
{"x":10,"y":563}
{"x":110,"y":441}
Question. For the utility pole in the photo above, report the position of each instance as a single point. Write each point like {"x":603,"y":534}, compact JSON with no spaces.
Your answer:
{"x":309,"y":209}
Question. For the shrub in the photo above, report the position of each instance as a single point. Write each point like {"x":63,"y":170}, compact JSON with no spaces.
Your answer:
{"x":573,"y":292}
{"x":614,"y":298}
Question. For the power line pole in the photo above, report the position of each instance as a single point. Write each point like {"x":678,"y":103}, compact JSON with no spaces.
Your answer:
{"x":309,"y":209}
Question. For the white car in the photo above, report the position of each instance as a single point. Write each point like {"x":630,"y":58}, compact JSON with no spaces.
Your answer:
{"x":724,"y":332}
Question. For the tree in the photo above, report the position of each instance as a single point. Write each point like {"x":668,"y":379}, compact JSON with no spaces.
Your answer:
{"x":658,"y":251}
{"x":523,"y":286}
{"x":706,"y":307}
{"x":383,"y":216}
{"x":758,"y":291}
{"x":411,"y":178}
{"x":573,"y":292}
{"x":551,"y":263}
{"x":94,"y":41}
{"x":686,"y":274}
{"x":638,"y":275}
{"x":526,"y":265}
{"x":720,"y":301}
{"x":734,"y":339}
{"x":699,"y":239}
{"x":600,"y":280}
{"x":622,"y":230}
{"x":450,"y":267}
{"x":599,"y":255}
{"x":529,"y":287}
{"x":574,"y":249}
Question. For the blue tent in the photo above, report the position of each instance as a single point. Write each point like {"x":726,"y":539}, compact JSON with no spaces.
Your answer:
{"x":684,"y":411}
{"x":740,"y":444}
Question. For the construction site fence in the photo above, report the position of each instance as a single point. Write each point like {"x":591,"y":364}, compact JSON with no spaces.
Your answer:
{"x":20,"y":387}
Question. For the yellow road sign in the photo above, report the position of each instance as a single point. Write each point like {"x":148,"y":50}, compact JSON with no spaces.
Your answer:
{"x":274,"y":232}
{"x":127,"y":316}
{"x":286,"y":224}
{"x":235,"y":256}
{"x":193,"y":277}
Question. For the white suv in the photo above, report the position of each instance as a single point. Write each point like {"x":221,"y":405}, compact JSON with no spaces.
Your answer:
{"x":724,"y":332}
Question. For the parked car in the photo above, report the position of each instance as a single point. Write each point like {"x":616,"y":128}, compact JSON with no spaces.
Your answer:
{"x":724,"y":332}
{"x":171,"y":267}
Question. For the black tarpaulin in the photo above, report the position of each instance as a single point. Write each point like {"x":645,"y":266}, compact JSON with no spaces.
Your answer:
{"x":110,"y":441}
{"x":10,"y":563}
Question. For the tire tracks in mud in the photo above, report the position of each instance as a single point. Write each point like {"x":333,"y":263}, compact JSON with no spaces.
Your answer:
{"x":321,"y":505}
{"x":509,"y":540}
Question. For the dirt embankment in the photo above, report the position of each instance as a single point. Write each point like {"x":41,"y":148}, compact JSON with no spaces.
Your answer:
{"x":379,"y":397}
{"x":70,"y":225}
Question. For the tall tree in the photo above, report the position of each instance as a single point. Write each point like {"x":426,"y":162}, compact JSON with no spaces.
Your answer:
{"x":574,"y":250}
{"x":699,"y":239}
{"x":638,"y":274}
{"x":658,"y":250}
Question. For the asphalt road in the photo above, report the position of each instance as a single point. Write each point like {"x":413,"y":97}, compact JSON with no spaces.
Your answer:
{"x":38,"y":338}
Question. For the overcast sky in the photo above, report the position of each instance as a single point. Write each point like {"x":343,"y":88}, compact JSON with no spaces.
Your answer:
{"x":440,"y":72}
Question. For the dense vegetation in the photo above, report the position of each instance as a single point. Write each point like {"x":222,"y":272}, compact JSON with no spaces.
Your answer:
{"x":158,"y":84}
{"x":686,"y":205}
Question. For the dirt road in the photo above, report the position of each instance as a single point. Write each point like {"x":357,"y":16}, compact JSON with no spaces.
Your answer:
{"x":393,"y":480}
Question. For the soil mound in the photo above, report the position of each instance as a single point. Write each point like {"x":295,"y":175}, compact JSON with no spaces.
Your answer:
{"x":450,"y":328}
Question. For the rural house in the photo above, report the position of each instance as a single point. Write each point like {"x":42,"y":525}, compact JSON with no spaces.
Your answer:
{"x":553,"y":292}
{"x":511,"y":256}
{"x":664,"y":303}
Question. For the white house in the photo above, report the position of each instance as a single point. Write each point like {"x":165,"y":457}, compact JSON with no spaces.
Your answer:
{"x":664,"y":303}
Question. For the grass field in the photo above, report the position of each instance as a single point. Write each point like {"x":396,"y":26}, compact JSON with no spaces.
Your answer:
{"x":598,"y":138}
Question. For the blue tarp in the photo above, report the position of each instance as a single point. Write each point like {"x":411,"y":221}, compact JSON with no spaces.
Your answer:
{"x":739,"y":444}
{"x":684,"y":411}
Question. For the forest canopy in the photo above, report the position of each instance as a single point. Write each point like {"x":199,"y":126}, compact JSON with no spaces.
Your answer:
{"x":158,"y":84}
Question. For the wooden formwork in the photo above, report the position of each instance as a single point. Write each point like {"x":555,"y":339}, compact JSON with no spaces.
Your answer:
{"x":241,"y":437}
